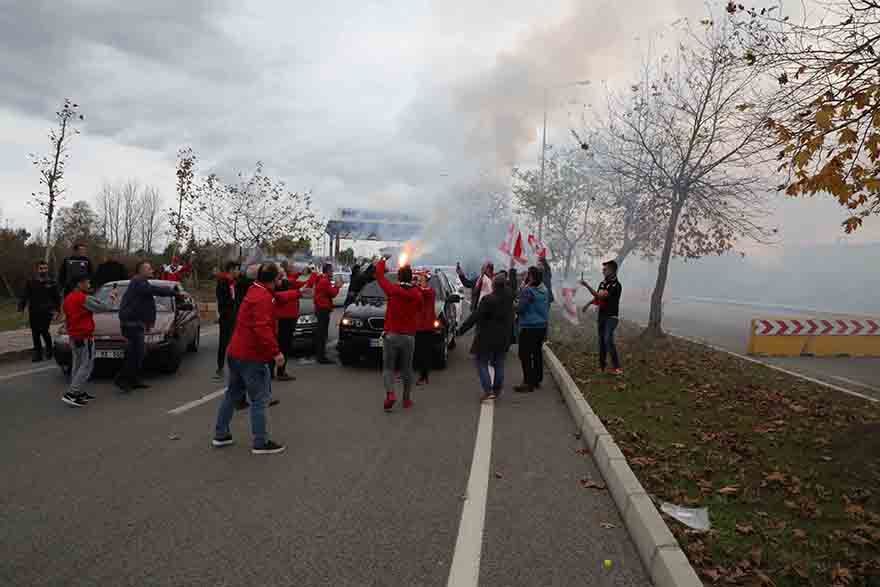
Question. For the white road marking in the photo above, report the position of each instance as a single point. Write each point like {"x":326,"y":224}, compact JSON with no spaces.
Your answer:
{"x":856,"y":383}
{"x":28,"y":372}
{"x":196,"y":403}
{"x":780,"y":369}
{"x":465,"y":569}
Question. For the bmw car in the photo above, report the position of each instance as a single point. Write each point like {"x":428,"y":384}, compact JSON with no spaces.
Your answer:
{"x":361,"y":330}
{"x":175,"y":333}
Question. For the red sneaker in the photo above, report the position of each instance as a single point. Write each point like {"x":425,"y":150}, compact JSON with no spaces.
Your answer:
{"x":407,"y":404}
{"x":617,"y":371}
{"x":390,"y":400}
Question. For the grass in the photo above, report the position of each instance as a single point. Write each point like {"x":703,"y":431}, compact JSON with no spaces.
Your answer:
{"x":10,"y":318}
{"x":789,"y":470}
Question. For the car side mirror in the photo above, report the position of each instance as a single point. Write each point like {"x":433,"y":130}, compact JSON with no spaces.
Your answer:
{"x":453,"y":299}
{"x":185,"y":307}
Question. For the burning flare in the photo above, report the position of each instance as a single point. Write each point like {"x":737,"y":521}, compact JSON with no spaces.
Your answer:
{"x":411,"y":250}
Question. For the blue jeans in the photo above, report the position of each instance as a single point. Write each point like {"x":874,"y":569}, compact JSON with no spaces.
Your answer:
{"x":607,"y":326}
{"x":252,"y":379}
{"x":496,"y":360}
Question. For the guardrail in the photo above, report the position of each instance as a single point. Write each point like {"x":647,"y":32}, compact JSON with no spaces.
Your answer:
{"x":817,"y":337}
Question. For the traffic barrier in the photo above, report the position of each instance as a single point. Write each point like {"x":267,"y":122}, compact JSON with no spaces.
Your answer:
{"x":818,"y":337}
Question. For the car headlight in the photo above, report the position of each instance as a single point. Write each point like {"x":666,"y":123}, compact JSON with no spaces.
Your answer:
{"x":154,"y":338}
{"x":307,"y":319}
{"x":354,"y":322}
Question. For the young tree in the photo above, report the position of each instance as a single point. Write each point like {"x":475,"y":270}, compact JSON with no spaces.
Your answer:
{"x":181,"y":218}
{"x":151,"y":217}
{"x":828,"y":121}
{"x":52,"y":166}
{"x":110,"y":214}
{"x":346,"y":257}
{"x":130,"y":202}
{"x":255,"y":211}
{"x":696,"y":128}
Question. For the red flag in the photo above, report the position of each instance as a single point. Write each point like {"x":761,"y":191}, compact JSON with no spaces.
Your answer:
{"x":508,"y":241}
{"x":518,"y":250}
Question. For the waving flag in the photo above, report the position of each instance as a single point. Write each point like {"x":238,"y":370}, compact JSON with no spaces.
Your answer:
{"x":508,"y":242}
{"x":569,"y":307}
{"x":518,"y":255}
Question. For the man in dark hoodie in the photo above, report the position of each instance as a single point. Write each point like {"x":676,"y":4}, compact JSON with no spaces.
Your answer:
{"x":227,"y":292}
{"x":137,"y":315}
{"x":494,"y":320}
{"x":74,"y":267}
{"x":42,"y":297}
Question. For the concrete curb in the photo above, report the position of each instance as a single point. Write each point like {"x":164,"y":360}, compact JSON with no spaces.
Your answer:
{"x":660,"y":553}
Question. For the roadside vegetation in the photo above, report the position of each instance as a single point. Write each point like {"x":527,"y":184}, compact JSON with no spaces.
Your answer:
{"x":788,"y":469}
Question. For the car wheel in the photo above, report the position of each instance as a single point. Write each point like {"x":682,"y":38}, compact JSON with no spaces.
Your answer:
{"x":194,"y":345}
{"x":442,"y":356}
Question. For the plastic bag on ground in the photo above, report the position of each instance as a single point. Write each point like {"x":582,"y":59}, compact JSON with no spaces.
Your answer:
{"x":696,"y":518}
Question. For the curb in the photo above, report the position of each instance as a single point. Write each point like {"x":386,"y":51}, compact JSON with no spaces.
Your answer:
{"x":661,"y":555}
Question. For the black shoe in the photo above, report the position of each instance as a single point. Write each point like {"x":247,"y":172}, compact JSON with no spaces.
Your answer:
{"x":524,"y":389}
{"x":222,"y":441}
{"x":270,"y":448}
{"x":87,"y":396}
{"x":274,"y":402}
{"x":140,"y":385}
{"x":74,"y":401}
{"x":123,"y":385}
{"x":285,"y":377}
{"x":326,"y":361}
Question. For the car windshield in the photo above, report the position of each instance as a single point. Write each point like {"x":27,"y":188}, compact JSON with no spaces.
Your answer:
{"x":111,"y":295}
{"x":373,"y":291}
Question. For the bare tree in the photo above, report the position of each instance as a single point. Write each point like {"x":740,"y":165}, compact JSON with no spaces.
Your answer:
{"x":181,"y":217}
{"x":151,"y":217}
{"x":52,"y":166}
{"x":109,"y":214}
{"x":696,"y":128}
{"x":130,"y":204}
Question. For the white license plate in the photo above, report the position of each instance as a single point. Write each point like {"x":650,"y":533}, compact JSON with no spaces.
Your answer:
{"x":109,"y":354}
{"x":377,"y":342}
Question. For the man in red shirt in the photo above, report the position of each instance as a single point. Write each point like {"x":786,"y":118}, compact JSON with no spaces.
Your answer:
{"x":254,"y":345}
{"x":287,"y":296}
{"x":325,"y":291}
{"x":401,"y":324}
{"x":78,"y":307}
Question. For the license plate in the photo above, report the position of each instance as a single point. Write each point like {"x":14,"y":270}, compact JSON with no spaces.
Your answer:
{"x":377,"y":342}
{"x":109,"y":354}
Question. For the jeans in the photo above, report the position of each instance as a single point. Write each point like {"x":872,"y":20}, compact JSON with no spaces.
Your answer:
{"x":607,"y":326}
{"x":397,"y":353}
{"x":423,"y":356}
{"x":134,"y":353}
{"x":496,"y":360}
{"x":39,"y":323}
{"x":227,"y":327}
{"x":251,"y":380}
{"x":286,"y":327}
{"x":321,"y":332}
{"x":530,"y":355}
{"x":83,"y":361}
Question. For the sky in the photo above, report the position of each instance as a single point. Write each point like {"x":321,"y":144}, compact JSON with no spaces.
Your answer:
{"x":386,"y":104}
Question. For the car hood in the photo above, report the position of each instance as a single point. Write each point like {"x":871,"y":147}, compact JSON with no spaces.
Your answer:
{"x":107,"y":323}
{"x":374,"y":309}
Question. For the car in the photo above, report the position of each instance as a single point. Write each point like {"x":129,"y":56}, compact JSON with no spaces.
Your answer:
{"x":176,"y":332}
{"x":456,"y":286}
{"x":361,"y":329}
{"x":339,"y":300}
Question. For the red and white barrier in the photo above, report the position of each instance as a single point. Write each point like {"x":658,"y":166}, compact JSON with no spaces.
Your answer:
{"x":815,"y":327}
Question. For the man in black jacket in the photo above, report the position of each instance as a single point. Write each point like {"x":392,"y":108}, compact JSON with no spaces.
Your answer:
{"x":41,"y":295}
{"x":137,"y":315}
{"x":73,"y":268}
{"x":494,"y":320}
{"x":228,"y":299}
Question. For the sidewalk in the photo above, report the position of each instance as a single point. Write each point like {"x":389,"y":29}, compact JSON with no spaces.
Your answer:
{"x":16,"y":344}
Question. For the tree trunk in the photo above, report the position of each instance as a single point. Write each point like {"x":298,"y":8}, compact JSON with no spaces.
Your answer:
{"x":655,"y":319}
{"x":9,"y":289}
{"x":626,"y":248}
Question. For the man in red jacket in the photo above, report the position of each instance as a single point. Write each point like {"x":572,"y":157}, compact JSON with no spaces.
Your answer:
{"x":401,"y":324}
{"x":425,"y":331}
{"x":78,"y":307}
{"x":287,"y":296}
{"x":254,"y":345}
{"x":325,"y":291}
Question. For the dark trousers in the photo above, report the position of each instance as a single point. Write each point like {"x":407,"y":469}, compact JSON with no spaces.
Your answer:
{"x":134,"y":353}
{"x":321,"y":333}
{"x":423,"y":355}
{"x":286,"y":327}
{"x":227,"y":326}
{"x":530,"y":342}
{"x":607,"y":326}
{"x":39,"y":323}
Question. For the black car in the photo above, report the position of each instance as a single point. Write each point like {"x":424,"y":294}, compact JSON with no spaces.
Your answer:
{"x":361,"y":330}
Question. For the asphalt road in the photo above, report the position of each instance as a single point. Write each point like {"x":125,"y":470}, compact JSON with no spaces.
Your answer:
{"x":125,"y":493}
{"x":727,"y":326}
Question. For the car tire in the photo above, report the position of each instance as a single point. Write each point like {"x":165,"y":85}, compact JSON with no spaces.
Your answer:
{"x":194,"y":345}
{"x":441,"y":358}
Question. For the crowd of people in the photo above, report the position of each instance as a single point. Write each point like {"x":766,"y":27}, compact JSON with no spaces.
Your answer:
{"x":258,"y":310}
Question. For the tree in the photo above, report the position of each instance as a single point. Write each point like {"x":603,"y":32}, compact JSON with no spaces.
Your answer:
{"x":695,"y":127}
{"x":828,"y":121}
{"x":52,"y":166}
{"x":255,"y":211}
{"x":110,"y":214}
{"x":181,"y":218}
{"x":346,"y":257}
{"x":130,"y":204}
{"x":78,"y":224}
{"x":151,"y":217}
{"x":15,"y":266}
{"x":287,"y":246}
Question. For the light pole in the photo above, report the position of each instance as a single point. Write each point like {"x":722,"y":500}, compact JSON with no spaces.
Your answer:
{"x":544,"y":150}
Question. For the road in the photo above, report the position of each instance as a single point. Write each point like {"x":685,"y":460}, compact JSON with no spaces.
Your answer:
{"x":727,"y":326}
{"x":128,"y":491}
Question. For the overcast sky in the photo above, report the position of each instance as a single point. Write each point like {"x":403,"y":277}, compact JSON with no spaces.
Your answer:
{"x":383,"y":103}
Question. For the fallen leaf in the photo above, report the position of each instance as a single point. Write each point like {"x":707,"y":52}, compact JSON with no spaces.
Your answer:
{"x":729,"y":490}
{"x":590,"y":484}
{"x":799,"y":534}
{"x":744,"y":529}
{"x":173,"y":437}
{"x":498,"y":475}
{"x":775,"y":477}
{"x":756,"y":555}
{"x":583,"y":451}
{"x":607,"y":525}
{"x":841,"y":576}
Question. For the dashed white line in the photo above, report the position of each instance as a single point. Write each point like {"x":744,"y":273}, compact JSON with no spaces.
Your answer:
{"x":465,"y":568}
{"x":196,"y":403}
